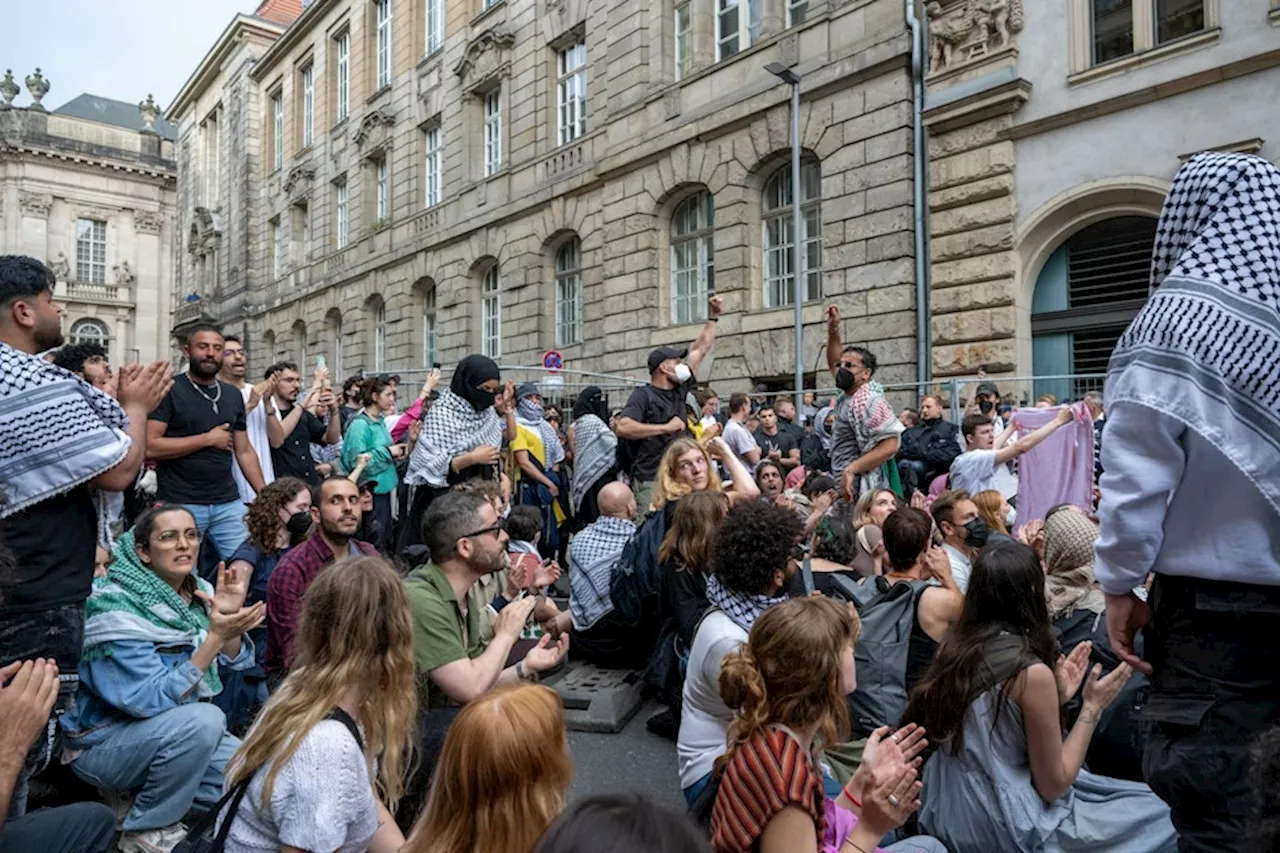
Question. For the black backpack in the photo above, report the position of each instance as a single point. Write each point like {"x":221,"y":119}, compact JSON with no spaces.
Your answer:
{"x":638,"y":575}
{"x":881,"y":653}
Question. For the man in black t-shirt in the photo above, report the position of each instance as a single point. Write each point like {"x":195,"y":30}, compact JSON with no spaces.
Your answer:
{"x":655,"y":414}
{"x":193,"y":434}
{"x":777,"y":443}
{"x":292,"y":428}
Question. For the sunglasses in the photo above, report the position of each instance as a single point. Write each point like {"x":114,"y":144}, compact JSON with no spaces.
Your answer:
{"x":495,"y":530}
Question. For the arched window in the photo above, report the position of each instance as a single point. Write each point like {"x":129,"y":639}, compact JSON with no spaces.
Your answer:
{"x":90,"y":332}
{"x":334,"y":322}
{"x":779,"y":278}
{"x":379,"y":334}
{"x":430,"y":355}
{"x":1089,"y":290}
{"x":569,"y":293}
{"x":490,"y":314}
{"x":693,"y":273}
{"x":269,"y":348}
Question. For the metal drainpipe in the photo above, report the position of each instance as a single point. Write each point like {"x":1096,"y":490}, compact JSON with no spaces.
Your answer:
{"x":920,"y":190}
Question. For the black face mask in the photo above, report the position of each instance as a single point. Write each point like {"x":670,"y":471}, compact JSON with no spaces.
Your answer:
{"x":985,"y":406}
{"x":479,"y":398}
{"x":298,"y":525}
{"x":844,"y":379}
{"x":976,"y":533}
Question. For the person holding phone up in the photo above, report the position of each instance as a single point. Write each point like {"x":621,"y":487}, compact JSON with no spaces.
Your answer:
{"x":367,"y":433}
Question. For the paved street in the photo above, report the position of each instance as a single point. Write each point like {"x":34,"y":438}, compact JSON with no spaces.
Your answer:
{"x":631,"y":760}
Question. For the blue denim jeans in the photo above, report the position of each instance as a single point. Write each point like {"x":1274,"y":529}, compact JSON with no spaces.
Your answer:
{"x":222,"y":524}
{"x":173,"y":761}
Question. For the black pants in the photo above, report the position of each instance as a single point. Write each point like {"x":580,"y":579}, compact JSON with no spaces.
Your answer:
{"x":382,"y":515}
{"x":78,"y":828}
{"x":433,"y":727}
{"x":1215,"y":688}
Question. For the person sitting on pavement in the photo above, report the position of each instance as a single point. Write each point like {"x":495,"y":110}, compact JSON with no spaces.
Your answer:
{"x":770,"y":480}
{"x":141,"y":725}
{"x":995,"y":512}
{"x":335,"y":513}
{"x":963,"y":532}
{"x":503,"y":774}
{"x":788,"y":686}
{"x":626,"y":823}
{"x":868,"y":521}
{"x":928,"y":448}
{"x":833,"y":548}
{"x":599,"y":637}
{"x":751,"y":571}
{"x":307,"y":766}
{"x":688,"y":467}
{"x":528,"y":571}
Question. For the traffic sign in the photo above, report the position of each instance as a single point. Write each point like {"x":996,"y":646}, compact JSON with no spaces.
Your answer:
{"x":553,"y":361}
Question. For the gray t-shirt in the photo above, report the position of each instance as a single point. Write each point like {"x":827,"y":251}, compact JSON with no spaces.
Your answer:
{"x":740,"y":441}
{"x":974,"y":471}
{"x":321,"y":799}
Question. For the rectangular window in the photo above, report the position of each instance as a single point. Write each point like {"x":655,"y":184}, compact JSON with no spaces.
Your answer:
{"x":492,"y":131}
{"x":491,"y":315}
{"x":737,"y":26}
{"x":382,"y":192}
{"x":571,"y":91}
{"x":779,"y":269}
{"x":308,"y":104}
{"x":380,"y":336}
{"x":433,"y":167}
{"x":429,"y":351}
{"x":343,"y":82}
{"x":489,"y":4}
{"x":277,"y":128}
{"x":1112,"y":29}
{"x":797,"y":11}
{"x":684,"y":40}
{"x":301,"y":228}
{"x":1178,"y":18}
{"x":91,"y":251}
{"x":435,"y":25}
{"x":340,"y":205}
{"x":277,"y":248}
{"x":383,"y":13}
{"x":569,"y":294}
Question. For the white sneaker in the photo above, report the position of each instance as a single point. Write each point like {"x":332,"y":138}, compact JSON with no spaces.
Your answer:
{"x":153,"y":840}
{"x":120,"y":802}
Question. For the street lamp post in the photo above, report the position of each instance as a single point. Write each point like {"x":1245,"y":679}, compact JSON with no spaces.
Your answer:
{"x":787,"y":75}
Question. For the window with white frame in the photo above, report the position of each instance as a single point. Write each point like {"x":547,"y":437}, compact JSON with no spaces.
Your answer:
{"x":382,"y":12}
{"x":1119,"y":28}
{"x":737,"y":26}
{"x":379,"y":335}
{"x":336,"y":326}
{"x":569,"y":293}
{"x":308,"y":103}
{"x":90,"y":332}
{"x":277,"y":128}
{"x":342,"y":83}
{"x":429,"y":352}
{"x":493,"y":131}
{"x":435,"y":25}
{"x":340,"y":206}
{"x":301,"y":229}
{"x":684,"y":39}
{"x":489,"y":4}
{"x":693,"y":274}
{"x":571,"y":91}
{"x":277,"y":248}
{"x":381,"y":192}
{"x":433,"y":164}
{"x":300,"y":332}
{"x":779,"y":276}
{"x":797,"y":11}
{"x":490,"y":314}
{"x":91,"y":251}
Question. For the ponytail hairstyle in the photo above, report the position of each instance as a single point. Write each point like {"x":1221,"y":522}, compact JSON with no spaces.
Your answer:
{"x":789,"y":673}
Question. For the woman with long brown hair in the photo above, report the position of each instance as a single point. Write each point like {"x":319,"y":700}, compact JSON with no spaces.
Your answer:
{"x":501,"y":778}
{"x":994,"y":510}
{"x":326,"y":760}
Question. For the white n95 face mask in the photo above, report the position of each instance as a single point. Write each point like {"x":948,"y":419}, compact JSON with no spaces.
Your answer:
{"x":683,"y":373}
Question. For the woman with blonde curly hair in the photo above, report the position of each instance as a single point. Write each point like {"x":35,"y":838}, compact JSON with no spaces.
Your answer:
{"x":325,"y":762}
{"x":502,"y":775}
{"x":687,"y":466}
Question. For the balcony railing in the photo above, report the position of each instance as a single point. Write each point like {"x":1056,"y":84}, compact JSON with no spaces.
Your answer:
{"x":97,"y":292}
{"x":188,"y":312}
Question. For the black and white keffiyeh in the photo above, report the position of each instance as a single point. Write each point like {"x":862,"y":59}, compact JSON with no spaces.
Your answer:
{"x":1206,"y":348}
{"x":451,"y":428}
{"x":59,"y":431}
{"x":532,"y":416}
{"x":742,"y":608}
{"x":596,"y":452}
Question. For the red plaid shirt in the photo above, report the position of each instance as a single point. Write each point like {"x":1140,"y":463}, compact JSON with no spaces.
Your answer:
{"x":289,"y":582}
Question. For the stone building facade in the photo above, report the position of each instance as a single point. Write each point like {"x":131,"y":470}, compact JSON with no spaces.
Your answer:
{"x":1054,"y":130}
{"x":406,"y":182}
{"x":90,"y":189}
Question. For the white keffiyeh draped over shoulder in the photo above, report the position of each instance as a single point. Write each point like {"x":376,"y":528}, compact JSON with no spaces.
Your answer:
{"x":1206,"y":347}
{"x":451,"y":428}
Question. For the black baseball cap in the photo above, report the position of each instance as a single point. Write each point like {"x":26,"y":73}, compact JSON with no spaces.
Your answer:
{"x":988,"y":388}
{"x":662,"y":354}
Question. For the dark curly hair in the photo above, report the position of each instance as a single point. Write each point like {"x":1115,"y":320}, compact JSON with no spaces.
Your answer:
{"x":755,"y":540}
{"x":834,"y":539}
{"x":263,"y":518}
{"x":73,"y":356}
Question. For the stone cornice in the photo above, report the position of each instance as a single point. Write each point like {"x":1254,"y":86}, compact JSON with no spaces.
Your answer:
{"x":1003,"y":99}
{"x":81,"y":159}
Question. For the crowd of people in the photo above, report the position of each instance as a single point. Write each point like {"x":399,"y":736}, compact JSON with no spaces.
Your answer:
{"x":259,"y":617}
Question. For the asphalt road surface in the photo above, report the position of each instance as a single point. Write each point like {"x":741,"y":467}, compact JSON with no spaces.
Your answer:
{"x":631,"y":760}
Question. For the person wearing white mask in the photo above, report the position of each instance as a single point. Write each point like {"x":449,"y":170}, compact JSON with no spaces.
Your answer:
{"x":655,"y":413}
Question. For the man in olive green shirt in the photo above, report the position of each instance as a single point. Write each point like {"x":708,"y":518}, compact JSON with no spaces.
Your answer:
{"x":454,"y":662}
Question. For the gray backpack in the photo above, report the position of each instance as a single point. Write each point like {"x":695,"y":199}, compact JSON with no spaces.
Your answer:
{"x":881,"y":654}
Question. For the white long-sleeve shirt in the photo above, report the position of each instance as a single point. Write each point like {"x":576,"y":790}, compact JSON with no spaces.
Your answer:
{"x":1173,"y":504}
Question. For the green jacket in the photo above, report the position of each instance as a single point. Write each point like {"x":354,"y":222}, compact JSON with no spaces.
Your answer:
{"x":367,"y":435}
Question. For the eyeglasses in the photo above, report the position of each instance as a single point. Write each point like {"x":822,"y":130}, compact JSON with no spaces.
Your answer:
{"x":495,"y":530}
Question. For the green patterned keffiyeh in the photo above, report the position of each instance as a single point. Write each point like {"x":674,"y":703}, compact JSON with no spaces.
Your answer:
{"x":134,"y":603}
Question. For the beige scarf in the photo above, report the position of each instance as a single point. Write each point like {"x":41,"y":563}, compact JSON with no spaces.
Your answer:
{"x":1069,"y":538}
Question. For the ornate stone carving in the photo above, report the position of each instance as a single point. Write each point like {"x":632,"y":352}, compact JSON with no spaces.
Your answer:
{"x":8,"y":89}
{"x":147,"y":222}
{"x":35,"y":204}
{"x":38,"y":86}
{"x":299,"y":178}
{"x":484,"y":56}
{"x":374,"y":128}
{"x":123,"y":273}
{"x":149,"y":112}
{"x":206,"y":232}
{"x":971,"y":29}
{"x":61,"y":267}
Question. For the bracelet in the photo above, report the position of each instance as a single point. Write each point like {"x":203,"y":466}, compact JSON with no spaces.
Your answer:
{"x":713,"y":319}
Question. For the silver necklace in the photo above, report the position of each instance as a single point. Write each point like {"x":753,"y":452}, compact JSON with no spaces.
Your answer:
{"x":217,"y":394}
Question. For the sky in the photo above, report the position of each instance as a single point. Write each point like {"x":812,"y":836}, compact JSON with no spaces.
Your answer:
{"x":122,"y":49}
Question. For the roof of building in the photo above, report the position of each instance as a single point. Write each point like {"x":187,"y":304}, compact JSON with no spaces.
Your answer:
{"x":280,"y":11}
{"x":113,"y":112}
